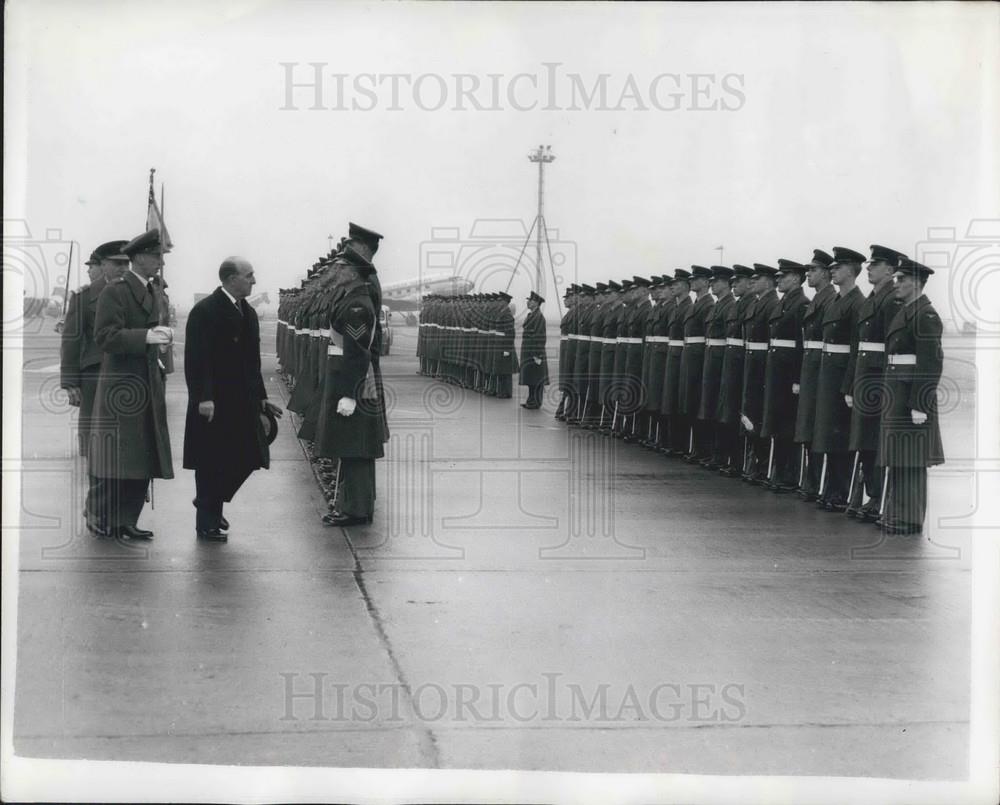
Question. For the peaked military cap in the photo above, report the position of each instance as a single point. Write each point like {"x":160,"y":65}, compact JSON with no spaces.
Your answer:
{"x":764,"y":270}
{"x":682,"y":274}
{"x":821,"y":259}
{"x":641,"y":282}
{"x":913,"y":268}
{"x":112,"y":250}
{"x":883,"y":254}
{"x":353,"y":257}
{"x":791,"y":267}
{"x":536,"y":298}
{"x":601,"y":287}
{"x":365,"y":235}
{"x":722,"y":273}
{"x":143,"y":244}
{"x":613,"y":286}
{"x":841,"y":254}
{"x":588,"y":288}
{"x":742,"y":271}
{"x":701,"y":272}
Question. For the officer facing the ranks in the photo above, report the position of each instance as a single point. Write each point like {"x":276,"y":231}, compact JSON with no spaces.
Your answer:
{"x":833,"y":417}
{"x":782,"y":369}
{"x":79,"y":354}
{"x":864,"y":381}
{"x":909,"y":437}
{"x":534,"y":366}
{"x":130,"y":444}
{"x":818,"y":278}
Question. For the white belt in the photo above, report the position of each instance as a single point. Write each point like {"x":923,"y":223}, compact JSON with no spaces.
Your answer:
{"x":495,"y":332}
{"x":324,"y":333}
{"x":565,"y":337}
{"x":315,"y":333}
{"x":902,"y":360}
{"x":871,"y":346}
{"x":675,"y":342}
{"x":608,"y":340}
{"x":783,"y":342}
{"x":283,"y":323}
{"x":839,"y":349}
{"x":694,"y":339}
{"x":756,"y":346}
{"x":630,"y":340}
{"x":813,"y":344}
{"x":333,"y":349}
{"x":734,"y":342}
{"x":717,"y":342}
{"x":658,"y":339}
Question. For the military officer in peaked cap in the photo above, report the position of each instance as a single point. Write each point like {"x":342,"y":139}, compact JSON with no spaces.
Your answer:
{"x":567,"y":351}
{"x":864,"y":381}
{"x":678,"y":429}
{"x":130,"y":444}
{"x":818,"y":278}
{"x":909,"y":437}
{"x":693,"y":364}
{"x":727,"y":411}
{"x":833,"y":417}
{"x":715,"y":353}
{"x":782,"y":371}
{"x":534,"y":365}
{"x":658,"y":346}
{"x":754,"y":370}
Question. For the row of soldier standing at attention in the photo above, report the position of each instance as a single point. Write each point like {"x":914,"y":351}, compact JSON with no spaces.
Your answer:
{"x":833,"y":397}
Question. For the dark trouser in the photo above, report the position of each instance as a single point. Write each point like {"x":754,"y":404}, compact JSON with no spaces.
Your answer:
{"x":504,"y":386}
{"x":213,"y":487}
{"x":838,"y":477}
{"x":88,"y":391}
{"x":727,"y":447}
{"x":867,"y":480}
{"x":680,"y":433}
{"x":116,"y":502}
{"x":760,"y":454}
{"x":702,"y":431}
{"x":355,"y":494}
{"x":814,"y":470}
{"x":906,"y":496}
{"x":535,"y":395}
{"x":785,"y":472}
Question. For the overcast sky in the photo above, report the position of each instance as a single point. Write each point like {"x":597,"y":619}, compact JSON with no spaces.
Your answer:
{"x":769,"y":130}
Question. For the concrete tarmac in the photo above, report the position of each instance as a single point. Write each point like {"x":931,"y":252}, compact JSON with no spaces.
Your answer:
{"x":529,"y":597}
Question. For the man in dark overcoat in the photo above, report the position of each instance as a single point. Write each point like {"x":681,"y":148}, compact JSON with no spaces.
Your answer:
{"x":833,"y":417}
{"x":730,"y":401}
{"x":693,"y":364}
{"x":352,"y":424}
{"x":130,"y":444}
{"x":864,"y":382}
{"x":910,"y":437}
{"x":755,"y":368}
{"x":534,"y":364}
{"x":781,"y":373}
{"x":506,"y":365}
{"x":818,"y":278}
{"x":678,"y":434}
{"x":567,"y":352}
{"x":224,"y":438}
{"x":711,"y":375}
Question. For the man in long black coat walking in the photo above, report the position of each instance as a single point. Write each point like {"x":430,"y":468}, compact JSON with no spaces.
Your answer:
{"x":224,"y":438}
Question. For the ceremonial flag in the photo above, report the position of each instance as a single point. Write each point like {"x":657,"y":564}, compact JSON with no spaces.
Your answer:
{"x":154,"y":218}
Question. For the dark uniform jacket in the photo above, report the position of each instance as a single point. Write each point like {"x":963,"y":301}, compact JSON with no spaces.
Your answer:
{"x":657,"y":348}
{"x":911,"y":385}
{"x":352,"y":373}
{"x":222,"y":364}
{"x":833,"y":417}
{"x":693,"y":354}
{"x":865,"y":375}
{"x":533,"y":346}
{"x":609,"y":347}
{"x":755,"y":360}
{"x":783,"y":366}
{"x":670,"y":402}
{"x":595,"y":350}
{"x":130,"y":438}
{"x":711,"y":374}
{"x":812,"y":355}
{"x":727,"y":411}
{"x":79,"y":350}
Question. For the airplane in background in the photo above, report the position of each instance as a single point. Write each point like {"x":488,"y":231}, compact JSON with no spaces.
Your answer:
{"x":405,"y":294}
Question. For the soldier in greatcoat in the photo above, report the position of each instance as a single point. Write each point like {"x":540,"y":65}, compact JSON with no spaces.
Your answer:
{"x":910,"y":437}
{"x":693,"y":363}
{"x":727,"y":411}
{"x":754,"y":370}
{"x":534,"y":363}
{"x":781,"y":373}
{"x":833,"y":418}
{"x":678,"y":431}
{"x":864,"y":382}
{"x":711,"y":375}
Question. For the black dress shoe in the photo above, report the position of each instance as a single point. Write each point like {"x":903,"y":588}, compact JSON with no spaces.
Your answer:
{"x":808,"y":497}
{"x":133,"y":532}
{"x":223,"y":524}
{"x":868,"y":515}
{"x":836,"y":506}
{"x":213,"y":535}
{"x":341,"y":520}
{"x":902,"y":529}
{"x":782,"y":489}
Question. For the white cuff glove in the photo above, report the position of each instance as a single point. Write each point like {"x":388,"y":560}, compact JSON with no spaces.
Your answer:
{"x":159,"y":335}
{"x":918,"y":417}
{"x":746,"y":422}
{"x":538,"y":361}
{"x":849,"y":400}
{"x":795,"y":388}
{"x":346,"y":406}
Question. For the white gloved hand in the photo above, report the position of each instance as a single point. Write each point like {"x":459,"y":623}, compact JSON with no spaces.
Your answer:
{"x":849,"y":400}
{"x":159,"y":335}
{"x":918,"y":417}
{"x":538,"y":361}
{"x":506,"y":354}
{"x":346,"y":406}
{"x":795,"y":388}
{"x":746,"y":422}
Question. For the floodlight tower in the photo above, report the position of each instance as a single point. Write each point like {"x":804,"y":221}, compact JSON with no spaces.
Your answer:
{"x":542,"y":155}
